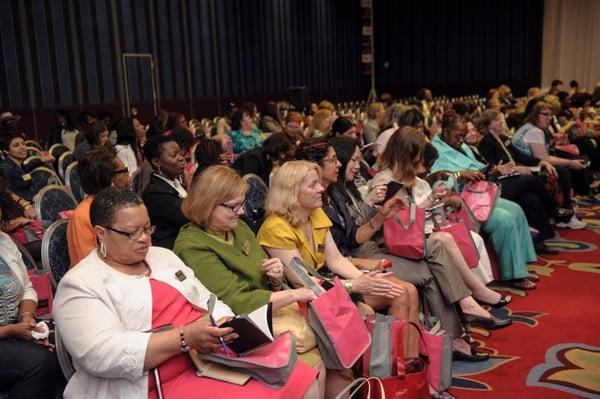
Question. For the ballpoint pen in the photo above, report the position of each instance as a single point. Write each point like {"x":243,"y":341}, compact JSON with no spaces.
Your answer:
{"x":211,"y":304}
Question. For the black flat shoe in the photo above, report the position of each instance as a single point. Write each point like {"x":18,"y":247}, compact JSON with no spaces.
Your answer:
{"x":502,"y":302}
{"x":542,"y":248}
{"x":474,"y":356}
{"x":563,"y":215}
{"x":491,"y":323}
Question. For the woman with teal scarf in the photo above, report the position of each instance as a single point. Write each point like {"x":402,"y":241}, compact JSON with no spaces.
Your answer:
{"x":507,"y":226}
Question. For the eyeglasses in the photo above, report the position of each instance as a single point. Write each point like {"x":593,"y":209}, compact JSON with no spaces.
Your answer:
{"x":333,"y":159}
{"x":548,"y":114}
{"x":119,"y":171}
{"x":235,"y":208}
{"x":134,"y":235}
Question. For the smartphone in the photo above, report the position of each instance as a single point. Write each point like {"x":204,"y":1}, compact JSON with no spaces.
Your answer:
{"x":392,"y":188}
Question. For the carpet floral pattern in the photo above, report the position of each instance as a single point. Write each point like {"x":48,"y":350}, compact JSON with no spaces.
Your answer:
{"x":552,"y":350}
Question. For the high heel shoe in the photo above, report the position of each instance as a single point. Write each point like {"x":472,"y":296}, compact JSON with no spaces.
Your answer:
{"x":502,"y":302}
{"x":491,"y":323}
{"x":473,"y":356}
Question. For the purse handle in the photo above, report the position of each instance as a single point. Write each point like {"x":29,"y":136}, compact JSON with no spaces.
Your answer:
{"x":304,"y":272}
{"x":400,"y":364}
{"x":413,"y":215}
{"x":358,"y":383}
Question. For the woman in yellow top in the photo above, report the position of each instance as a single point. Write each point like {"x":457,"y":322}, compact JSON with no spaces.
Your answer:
{"x":296,"y":226}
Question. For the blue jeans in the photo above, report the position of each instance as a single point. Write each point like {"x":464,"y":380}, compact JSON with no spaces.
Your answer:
{"x":27,"y":370}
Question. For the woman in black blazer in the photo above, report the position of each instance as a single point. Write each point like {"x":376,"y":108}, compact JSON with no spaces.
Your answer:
{"x":165,"y":191}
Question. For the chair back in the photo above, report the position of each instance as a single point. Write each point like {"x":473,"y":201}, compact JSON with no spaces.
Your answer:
{"x":255,"y":201}
{"x":55,"y":253}
{"x":26,"y":256}
{"x":33,"y":143}
{"x":32,"y":162}
{"x":34,"y":151}
{"x":64,"y":359}
{"x":43,"y":176}
{"x":73,"y":182}
{"x":51,"y":200}
{"x":65,"y":160}
{"x":56,"y":150}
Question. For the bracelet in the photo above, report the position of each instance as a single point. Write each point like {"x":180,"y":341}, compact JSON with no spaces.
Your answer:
{"x":348,"y":286}
{"x":184,"y":346}
{"x":26,"y":207}
{"x":23,"y":314}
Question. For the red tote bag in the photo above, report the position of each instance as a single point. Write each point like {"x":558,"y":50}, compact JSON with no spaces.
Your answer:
{"x":481,"y":198}
{"x":42,"y":286}
{"x":404,"y":233}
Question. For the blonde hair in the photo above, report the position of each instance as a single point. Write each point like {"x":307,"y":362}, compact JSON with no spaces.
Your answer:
{"x":215,"y":185}
{"x":282,"y":199}
{"x":373,"y":108}
{"x":319,"y":119}
{"x":325,"y":104}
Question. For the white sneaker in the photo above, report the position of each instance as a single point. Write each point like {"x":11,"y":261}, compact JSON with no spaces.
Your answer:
{"x":573,"y":224}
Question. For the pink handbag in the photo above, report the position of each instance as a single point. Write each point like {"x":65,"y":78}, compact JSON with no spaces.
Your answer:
{"x":461,"y":234}
{"x":272,"y":363}
{"x":481,"y":198}
{"x":41,"y":284}
{"x":404,"y":233}
{"x":340,"y":330}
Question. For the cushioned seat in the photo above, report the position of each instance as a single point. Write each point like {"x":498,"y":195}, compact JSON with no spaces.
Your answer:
{"x":255,"y":201}
{"x":51,"y":200}
{"x":55,"y":253}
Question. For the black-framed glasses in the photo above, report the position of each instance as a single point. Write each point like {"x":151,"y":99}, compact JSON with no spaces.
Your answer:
{"x":122,"y":170}
{"x":134,"y":235}
{"x":548,"y":114}
{"x":235,"y":208}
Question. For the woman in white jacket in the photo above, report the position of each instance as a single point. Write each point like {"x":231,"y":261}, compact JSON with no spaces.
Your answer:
{"x":107,"y":307}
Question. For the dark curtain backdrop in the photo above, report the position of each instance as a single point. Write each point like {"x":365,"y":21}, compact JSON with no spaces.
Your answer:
{"x":66,"y":53}
{"x":457,"y":47}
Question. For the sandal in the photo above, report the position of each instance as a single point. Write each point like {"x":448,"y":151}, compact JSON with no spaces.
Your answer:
{"x":533,"y":277}
{"x":520,"y":284}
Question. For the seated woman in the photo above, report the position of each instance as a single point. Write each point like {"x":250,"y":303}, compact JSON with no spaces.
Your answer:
{"x":29,"y":368}
{"x":164,"y":192}
{"x":19,"y":220}
{"x":390,"y":125}
{"x":320,"y":126}
{"x":343,"y":127}
{"x":95,"y":136}
{"x":262,"y":160}
{"x":14,"y":149}
{"x":225,"y":257}
{"x":507,"y":226}
{"x":496,"y":148}
{"x":243,"y":135}
{"x":107,"y":307}
{"x":519,"y":185}
{"x":530,"y":140}
{"x":97,"y":170}
{"x":130,"y":136}
{"x":401,"y":162}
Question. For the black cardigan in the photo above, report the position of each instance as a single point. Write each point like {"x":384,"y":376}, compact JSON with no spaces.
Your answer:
{"x":493,"y":153}
{"x":164,"y":208}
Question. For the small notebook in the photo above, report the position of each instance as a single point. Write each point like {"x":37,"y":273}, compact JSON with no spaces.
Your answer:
{"x":217,"y":371}
{"x":255,"y":329}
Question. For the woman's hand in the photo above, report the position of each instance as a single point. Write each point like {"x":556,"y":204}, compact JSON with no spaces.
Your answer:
{"x":505,"y":168}
{"x":548,"y":166}
{"x":304,"y":294}
{"x":272,"y":268}
{"x":22,"y":330}
{"x":22,"y":221}
{"x":576,"y":164}
{"x":471,"y":175}
{"x":47,"y":158}
{"x":376,"y":196}
{"x":203,"y":337}
{"x":524,"y":170}
{"x":29,"y":212}
{"x":391,"y":205}
{"x":375,"y":283}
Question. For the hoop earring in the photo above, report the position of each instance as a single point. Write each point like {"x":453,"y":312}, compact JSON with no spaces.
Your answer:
{"x":103,"y":248}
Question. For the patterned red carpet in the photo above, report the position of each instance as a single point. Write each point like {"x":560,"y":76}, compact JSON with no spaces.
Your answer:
{"x":552,"y":350}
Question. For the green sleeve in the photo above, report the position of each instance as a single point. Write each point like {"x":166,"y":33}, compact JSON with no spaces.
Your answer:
{"x":210,"y":269}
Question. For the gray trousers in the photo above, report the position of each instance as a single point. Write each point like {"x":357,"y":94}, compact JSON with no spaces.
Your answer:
{"x":437,"y":280}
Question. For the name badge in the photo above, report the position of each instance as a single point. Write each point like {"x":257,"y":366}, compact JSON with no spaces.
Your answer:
{"x":321,"y":248}
{"x":246,"y":248}
{"x":180,"y":275}
{"x":27,"y":177}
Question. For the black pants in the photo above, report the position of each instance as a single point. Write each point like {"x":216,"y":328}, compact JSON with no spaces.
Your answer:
{"x":27,"y":370}
{"x":538,"y":205}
